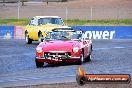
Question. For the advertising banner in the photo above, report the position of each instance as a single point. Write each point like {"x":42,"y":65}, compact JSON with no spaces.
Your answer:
{"x":6,"y":32}
{"x":19,"y":32}
{"x":92,"y":32}
{"x":107,"y":32}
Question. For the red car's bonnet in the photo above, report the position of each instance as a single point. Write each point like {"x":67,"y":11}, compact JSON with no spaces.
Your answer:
{"x":66,"y":46}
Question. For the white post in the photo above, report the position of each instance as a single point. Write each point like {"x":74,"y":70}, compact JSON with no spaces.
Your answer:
{"x":66,"y":15}
{"x":18,"y":10}
{"x":91,"y":13}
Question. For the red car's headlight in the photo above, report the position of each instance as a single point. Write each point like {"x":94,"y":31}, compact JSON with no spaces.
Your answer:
{"x":75,"y":49}
{"x":39,"y":49}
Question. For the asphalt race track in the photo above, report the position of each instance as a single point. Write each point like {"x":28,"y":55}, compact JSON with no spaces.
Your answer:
{"x":17,"y":63}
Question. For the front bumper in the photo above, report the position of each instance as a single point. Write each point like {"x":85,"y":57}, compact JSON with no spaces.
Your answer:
{"x":58,"y":60}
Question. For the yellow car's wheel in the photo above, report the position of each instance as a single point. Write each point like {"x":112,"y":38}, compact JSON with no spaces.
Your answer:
{"x":40,"y":37}
{"x":28,"y":40}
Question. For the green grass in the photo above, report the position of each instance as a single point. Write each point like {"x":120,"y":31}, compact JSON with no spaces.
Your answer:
{"x":23,"y":22}
{"x":126,"y":22}
{"x":18,"y":22}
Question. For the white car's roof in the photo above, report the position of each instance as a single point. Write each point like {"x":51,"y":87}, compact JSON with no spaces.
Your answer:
{"x":47,"y":17}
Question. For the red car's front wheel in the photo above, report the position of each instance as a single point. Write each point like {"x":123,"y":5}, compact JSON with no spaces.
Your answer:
{"x":39,"y":64}
{"x":81,"y":60}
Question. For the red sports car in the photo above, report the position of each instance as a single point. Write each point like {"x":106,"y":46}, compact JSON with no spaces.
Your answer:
{"x":66,"y":45}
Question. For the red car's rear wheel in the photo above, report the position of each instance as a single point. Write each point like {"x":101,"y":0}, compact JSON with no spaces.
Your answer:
{"x":89,"y":56}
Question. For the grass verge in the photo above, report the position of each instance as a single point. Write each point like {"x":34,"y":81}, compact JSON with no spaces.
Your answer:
{"x":23,"y":22}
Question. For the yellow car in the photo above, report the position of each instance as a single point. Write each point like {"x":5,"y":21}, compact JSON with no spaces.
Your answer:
{"x":39,"y":25}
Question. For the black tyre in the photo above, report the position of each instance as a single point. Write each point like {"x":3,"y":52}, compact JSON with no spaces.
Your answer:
{"x":81,"y":60}
{"x":89,"y":56}
{"x":80,"y":80}
{"x":39,"y":64}
{"x":28,"y":40}
{"x":40,"y":37}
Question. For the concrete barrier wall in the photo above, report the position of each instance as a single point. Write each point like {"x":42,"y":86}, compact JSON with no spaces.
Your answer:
{"x":92,"y":32}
